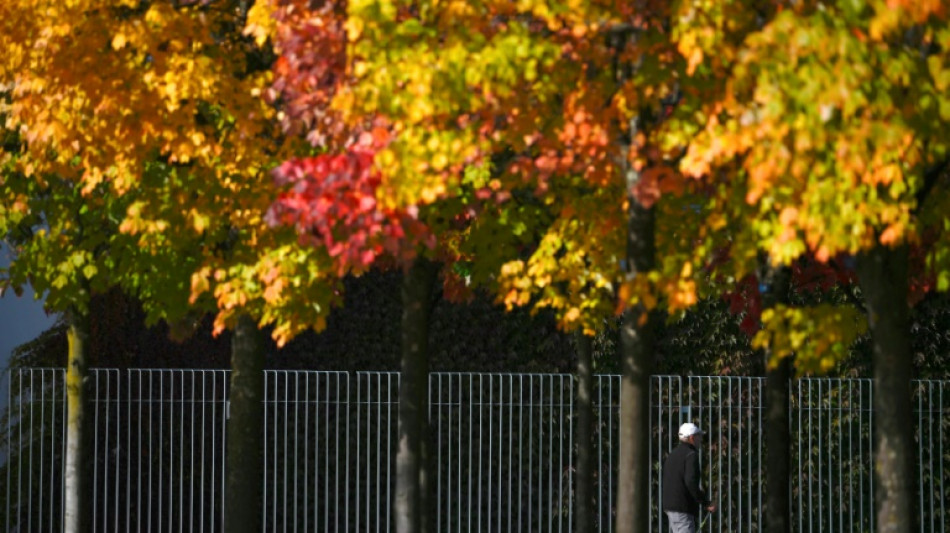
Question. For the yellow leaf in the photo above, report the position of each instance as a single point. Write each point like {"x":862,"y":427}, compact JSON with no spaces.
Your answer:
{"x":200,"y":221}
{"x":118,"y":42}
{"x":354,"y":28}
{"x":260,"y":22}
{"x":572,"y":314}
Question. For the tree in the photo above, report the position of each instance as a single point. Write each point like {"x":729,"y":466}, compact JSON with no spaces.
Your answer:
{"x":403,"y":174}
{"x":418,"y":110}
{"x":136,"y":146}
{"x":829,"y":125}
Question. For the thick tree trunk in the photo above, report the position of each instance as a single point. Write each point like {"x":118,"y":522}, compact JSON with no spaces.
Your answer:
{"x":883,"y":275}
{"x":245,"y":435}
{"x":585,"y":429}
{"x":777,"y":438}
{"x":636,"y":357}
{"x":76,"y":515}
{"x":633,"y":488}
{"x":411,"y":476}
{"x":777,"y":441}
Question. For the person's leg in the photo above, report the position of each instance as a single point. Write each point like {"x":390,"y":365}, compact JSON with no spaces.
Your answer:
{"x":681,"y":522}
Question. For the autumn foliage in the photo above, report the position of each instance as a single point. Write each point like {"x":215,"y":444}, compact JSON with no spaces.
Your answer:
{"x":491,"y":135}
{"x":141,"y":137}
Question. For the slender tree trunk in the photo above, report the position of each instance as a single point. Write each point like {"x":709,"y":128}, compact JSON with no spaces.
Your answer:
{"x":883,"y":275}
{"x":585,"y":427}
{"x":777,"y":438}
{"x":636,"y":357}
{"x":76,"y":515}
{"x":245,"y":435}
{"x":411,"y":476}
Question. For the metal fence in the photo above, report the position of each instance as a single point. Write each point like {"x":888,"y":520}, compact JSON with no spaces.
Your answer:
{"x":503,"y":449}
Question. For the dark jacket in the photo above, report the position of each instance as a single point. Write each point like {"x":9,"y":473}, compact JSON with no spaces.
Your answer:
{"x":681,"y":492}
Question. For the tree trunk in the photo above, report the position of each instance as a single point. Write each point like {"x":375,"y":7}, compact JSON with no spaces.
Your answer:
{"x":633,"y":488}
{"x":777,"y":441}
{"x":777,"y":438}
{"x":411,"y":475}
{"x":76,"y":515}
{"x":244,"y":451}
{"x":636,"y":357}
{"x":585,"y":427}
{"x":883,"y":275}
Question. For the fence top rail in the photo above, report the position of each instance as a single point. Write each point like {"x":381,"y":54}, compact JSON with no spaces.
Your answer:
{"x":555,"y":375}
{"x":504,"y":374}
{"x":301,"y":371}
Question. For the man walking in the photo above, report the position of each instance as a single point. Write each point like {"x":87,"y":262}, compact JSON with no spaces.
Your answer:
{"x":682,"y":496}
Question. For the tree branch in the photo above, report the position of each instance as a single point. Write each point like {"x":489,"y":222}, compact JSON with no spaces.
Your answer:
{"x":931,"y":177}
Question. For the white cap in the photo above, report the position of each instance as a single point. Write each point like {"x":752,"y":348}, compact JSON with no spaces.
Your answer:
{"x":689,"y":429}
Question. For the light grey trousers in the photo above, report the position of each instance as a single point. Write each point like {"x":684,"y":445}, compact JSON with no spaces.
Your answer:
{"x":681,"y":522}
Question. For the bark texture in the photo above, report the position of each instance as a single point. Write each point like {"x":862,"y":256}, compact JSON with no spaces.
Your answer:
{"x":777,"y":438}
{"x":636,"y":357}
{"x":585,"y":428}
{"x":75,"y":513}
{"x":242,"y":506}
{"x":411,"y":475}
{"x":883,"y":276}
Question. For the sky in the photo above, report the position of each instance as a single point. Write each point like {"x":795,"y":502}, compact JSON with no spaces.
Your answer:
{"x":22,"y":318}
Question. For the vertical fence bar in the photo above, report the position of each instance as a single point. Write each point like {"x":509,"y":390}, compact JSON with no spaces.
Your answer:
{"x":921,"y":436}
{"x":95,"y":453}
{"x":871,"y":513}
{"x":943,"y":477}
{"x":491,"y":444}
{"x":348,"y":396}
{"x":449,"y":470}
{"x":129,"y":402}
{"x":760,"y":460}
{"x":42,"y":440}
{"x":851,"y":489}
{"x":285,"y":466}
{"x":571,"y":501}
{"x":316,"y":456}
{"x":379,"y":416}
{"x":368,"y":471}
{"x":29,"y":444}
{"x":181,"y":453}
{"x":30,"y":460}
{"x":19,"y":474}
{"x":151,"y":451}
{"x":296,"y":427}
{"x":306,"y":454}
{"x":511,"y":448}
{"x":438,"y":450}
{"x":600,"y":455}
{"x":611,"y":469}
{"x":8,"y":448}
{"x":520,"y":454}
{"x":356,"y":471}
{"x":214,"y":449}
{"x":202,"y":459}
{"x":266,"y":457}
{"x":863,"y":452}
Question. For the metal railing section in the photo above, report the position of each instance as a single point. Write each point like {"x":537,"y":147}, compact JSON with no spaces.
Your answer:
{"x":501,"y":450}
